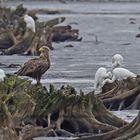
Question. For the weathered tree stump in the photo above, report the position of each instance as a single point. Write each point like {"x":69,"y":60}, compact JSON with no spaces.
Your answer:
{"x":59,"y":109}
{"x":127,"y":132}
{"x":7,"y":131}
{"x":121,"y":95}
{"x":21,"y":46}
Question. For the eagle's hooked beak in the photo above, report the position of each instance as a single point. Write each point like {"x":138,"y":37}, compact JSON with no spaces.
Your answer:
{"x":41,"y":49}
{"x":44,"y":48}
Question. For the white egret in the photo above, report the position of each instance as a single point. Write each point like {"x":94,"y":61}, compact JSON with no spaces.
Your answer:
{"x":2,"y":75}
{"x":30,"y":23}
{"x":120,"y":74}
{"x":117,"y":61}
{"x":100,"y":75}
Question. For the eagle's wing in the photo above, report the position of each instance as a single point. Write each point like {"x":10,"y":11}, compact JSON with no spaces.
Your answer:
{"x":33,"y":66}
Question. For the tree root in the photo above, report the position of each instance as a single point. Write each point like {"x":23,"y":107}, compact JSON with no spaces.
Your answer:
{"x":121,"y":97}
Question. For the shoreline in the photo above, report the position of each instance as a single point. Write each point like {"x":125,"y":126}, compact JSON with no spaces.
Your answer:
{"x":76,"y":1}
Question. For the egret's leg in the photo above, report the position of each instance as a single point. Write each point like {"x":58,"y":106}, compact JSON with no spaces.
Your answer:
{"x":49,"y":119}
{"x":121,"y":105}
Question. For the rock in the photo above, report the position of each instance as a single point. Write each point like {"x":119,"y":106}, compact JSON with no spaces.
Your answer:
{"x":69,"y":46}
{"x":138,"y":35}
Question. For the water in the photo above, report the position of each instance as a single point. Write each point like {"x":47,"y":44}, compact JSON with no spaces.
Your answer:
{"x":127,"y":115}
{"x":76,"y":66}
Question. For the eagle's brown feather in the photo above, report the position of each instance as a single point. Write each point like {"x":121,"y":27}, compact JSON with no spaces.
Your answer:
{"x":36,"y":67}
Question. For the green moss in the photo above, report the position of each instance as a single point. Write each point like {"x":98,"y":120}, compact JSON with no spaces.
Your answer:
{"x":14,"y":92}
{"x":137,"y":137}
{"x":20,"y":10}
{"x":4,"y":115}
{"x":97,"y":104}
{"x":19,"y":93}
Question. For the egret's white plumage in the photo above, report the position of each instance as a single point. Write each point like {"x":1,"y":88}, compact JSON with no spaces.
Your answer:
{"x":2,"y":75}
{"x":100,"y":75}
{"x":120,"y":74}
{"x":30,"y":23}
{"x":117,"y":61}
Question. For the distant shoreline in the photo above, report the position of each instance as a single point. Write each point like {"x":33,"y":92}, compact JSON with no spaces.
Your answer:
{"x":63,"y":1}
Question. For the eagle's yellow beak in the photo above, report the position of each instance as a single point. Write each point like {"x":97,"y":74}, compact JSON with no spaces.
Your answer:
{"x":44,"y":48}
{"x":41,"y":49}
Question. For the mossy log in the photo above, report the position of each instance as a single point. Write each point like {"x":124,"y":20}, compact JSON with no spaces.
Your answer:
{"x":6,"y":125}
{"x":28,"y":104}
{"x":27,"y":110}
{"x":122,"y":94}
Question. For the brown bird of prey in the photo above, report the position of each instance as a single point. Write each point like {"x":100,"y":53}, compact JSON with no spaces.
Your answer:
{"x":36,"y":67}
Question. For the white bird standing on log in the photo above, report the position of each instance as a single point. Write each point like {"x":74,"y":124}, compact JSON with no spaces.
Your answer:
{"x":100,"y":75}
{"x":117,"y":61}
{"x":120,"y":74}
{"x":2,"y":75}
{"x":30,"y":23}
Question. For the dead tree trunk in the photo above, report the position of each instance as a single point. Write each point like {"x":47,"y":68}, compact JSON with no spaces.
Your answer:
{"x":28,"y":106}
{"x":127,"y":132}
{"x":7,"y":131}
{"x":21,"y":46}
{"x":121,"y":96}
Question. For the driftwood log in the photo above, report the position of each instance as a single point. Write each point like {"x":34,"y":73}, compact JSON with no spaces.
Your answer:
{"x":128,"y":132}
{"x":122,"y":94}
{"x":16,"y":39}
{"x":26,"y":109}
{"x":29,"y":111}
